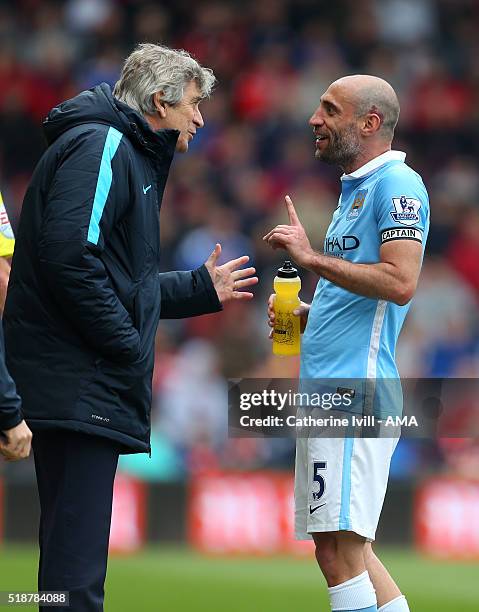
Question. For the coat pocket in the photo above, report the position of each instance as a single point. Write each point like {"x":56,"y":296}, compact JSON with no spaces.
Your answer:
{"x":146,"y":311}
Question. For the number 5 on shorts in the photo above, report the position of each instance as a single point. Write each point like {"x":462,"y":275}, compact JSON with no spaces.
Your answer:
{"x":319,"y":484}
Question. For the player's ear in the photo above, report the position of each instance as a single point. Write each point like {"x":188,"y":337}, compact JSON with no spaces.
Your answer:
{"x":371,"y":124}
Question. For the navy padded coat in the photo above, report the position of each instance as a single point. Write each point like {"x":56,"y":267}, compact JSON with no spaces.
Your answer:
{"x":85,"y":293}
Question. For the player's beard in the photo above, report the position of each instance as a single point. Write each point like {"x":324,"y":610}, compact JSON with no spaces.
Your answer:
{"x":343,"y":148}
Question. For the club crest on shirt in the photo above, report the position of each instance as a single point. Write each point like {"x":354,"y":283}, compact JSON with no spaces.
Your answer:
{"x":357,"y":205}
{"x":406,"y":210}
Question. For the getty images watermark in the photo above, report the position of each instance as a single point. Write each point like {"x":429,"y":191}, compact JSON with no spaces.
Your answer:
{"x":418,"y":408}
{"x":325,"y":403}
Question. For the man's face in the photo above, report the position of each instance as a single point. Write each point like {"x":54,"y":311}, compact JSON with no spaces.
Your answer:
{"x":336,"y":128}
{"x":185,"y":116}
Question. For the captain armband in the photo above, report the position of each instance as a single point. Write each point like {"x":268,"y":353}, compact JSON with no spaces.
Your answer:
{"x":401,"y":233}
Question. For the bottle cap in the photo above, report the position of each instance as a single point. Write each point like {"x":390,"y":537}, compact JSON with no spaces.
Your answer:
{"x":287,"y":270}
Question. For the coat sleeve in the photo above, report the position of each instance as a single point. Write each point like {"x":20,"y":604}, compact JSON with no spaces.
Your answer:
{"x":188,"y":294}
{"x":87,"y":198}
{"x":10,"y":404}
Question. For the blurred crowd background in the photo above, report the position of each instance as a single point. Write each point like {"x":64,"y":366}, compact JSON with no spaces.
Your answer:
{"x":273,"y":60}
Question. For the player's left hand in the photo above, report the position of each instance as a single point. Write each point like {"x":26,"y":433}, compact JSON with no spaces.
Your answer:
{"x":229,"y":278}
{"x":302,"y":312}
{"x":291,"y":237}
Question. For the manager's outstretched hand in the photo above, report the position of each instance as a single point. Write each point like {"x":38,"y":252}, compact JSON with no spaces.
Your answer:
{"x":292,"y":238}
{"x":229,"y":278}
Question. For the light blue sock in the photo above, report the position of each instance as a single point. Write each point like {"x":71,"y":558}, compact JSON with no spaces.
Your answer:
{"x":354,"y":595}
{"x":396,"y":605}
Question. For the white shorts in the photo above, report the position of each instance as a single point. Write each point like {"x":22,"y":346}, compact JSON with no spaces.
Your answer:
{"x":340,"y":484}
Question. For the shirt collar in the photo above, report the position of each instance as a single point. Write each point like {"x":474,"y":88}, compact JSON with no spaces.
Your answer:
{"x":374,"y":164}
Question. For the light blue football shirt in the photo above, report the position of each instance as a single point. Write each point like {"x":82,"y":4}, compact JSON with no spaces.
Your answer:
{"x":348,"y":335}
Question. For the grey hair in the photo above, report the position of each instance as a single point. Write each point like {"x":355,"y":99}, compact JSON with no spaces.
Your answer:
{"x":153,"y":68}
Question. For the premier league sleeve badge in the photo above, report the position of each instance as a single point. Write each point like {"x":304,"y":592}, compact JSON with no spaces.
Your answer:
{"x":406,"y":210}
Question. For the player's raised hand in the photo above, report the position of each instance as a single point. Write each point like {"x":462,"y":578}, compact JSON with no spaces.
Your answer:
{"x":230,"y":277}
{"x":302,"y":311}
{"x":293,"y":217}
{"x":291,"y":237}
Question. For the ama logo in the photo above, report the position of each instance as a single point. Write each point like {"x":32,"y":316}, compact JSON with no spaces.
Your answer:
{"x":406,"y":210}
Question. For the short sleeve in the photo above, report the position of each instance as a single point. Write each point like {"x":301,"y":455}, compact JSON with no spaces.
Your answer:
{"x":7,"y":239}
{"x":402,"y":206}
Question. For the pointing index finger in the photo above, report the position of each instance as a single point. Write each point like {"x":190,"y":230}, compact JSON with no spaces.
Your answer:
{"x":293,"y":217}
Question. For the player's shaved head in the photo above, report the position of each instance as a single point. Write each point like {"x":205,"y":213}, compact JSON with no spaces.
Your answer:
{"x":370,"y":94}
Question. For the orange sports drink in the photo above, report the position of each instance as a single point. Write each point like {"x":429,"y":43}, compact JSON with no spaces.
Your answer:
{"x":286,"y":330}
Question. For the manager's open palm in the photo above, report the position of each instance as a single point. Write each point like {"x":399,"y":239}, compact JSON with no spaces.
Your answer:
{"x":230,"y":277}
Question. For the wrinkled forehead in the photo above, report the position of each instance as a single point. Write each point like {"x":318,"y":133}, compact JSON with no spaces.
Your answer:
{"x":340,"y":95}
{"x":192,"y":91}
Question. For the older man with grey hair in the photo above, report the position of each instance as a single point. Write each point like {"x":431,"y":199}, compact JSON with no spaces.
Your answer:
{"x":86,"y":295}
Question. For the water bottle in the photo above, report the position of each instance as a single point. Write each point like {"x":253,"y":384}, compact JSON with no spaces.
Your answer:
{"x":286,"y":330}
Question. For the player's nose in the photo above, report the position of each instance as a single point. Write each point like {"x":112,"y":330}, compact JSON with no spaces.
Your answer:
{"x":316,"y":118}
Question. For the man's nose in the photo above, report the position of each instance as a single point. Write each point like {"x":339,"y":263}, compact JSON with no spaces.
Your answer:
{"x":198,"y":119}
{"x":316,"y":118}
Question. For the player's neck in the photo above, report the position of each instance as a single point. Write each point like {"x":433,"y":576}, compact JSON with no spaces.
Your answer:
{"x":364,"y":157}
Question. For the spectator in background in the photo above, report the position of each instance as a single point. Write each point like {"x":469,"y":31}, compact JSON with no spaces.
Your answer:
{"x":7,"y":243}
{"x":464,"y":250}
{"x":224,"y":226}
{"x":193,"y":416}
{"x":15,"y":436}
